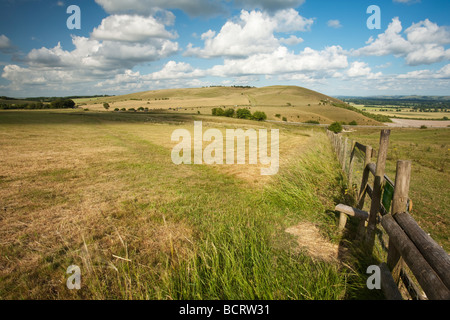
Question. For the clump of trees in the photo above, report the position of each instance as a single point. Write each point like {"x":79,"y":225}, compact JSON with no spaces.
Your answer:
{"x":335,"y":127}
{"x":56,"y":104}
{"x":239,"y":113}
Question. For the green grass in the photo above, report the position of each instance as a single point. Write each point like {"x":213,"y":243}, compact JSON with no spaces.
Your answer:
{"x":429,"y":151}
{"x":99,"y":190}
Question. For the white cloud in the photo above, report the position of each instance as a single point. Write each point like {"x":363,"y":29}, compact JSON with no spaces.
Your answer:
{"x":146,"y":7}
{"x":443,"y":73}
{"x":269,"y":5}
{"x":5,"y":44}
{"x":334,"y":24}
{"x":253,"y":33}
{"x":361,"y":69}
{"x":131,"y":28}
{"x":284,"y":61}
{"x":423,"y":44}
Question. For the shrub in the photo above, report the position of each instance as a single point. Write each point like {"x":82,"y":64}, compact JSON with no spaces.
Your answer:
{"x":218,"y":112}
{"x":244,"y":114}
{"x":423,"y":127}
{"x":336,"y":127}
{"x":229,"y":113}
{"x":313,"y":122}
{"x":259,"y":116}
{"x":132,"y":109}
{"x":116,"y":109}
{"x":278,"y":115}
{"x":106,"y":105}
{"x":285,"y":119}
{"x":353,"y":123}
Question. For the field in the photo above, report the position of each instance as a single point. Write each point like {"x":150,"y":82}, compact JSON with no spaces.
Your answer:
{"x":403,"y":113}
{"x":99,"y":190}
{"x":295,"y":103}
{"x":429,"y":151}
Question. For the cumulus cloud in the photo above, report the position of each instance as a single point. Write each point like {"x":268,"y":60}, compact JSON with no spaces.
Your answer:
{"x":424,"y":43}
{"x":5,"y":44}
{"x":131,"y":28}
{"x":253,"y":33}
{"x":119,"y":43}
{"x":269,"y":5}
{"x":443,"y":73}
{"x":361,"y":69}
{"x":284,"y":61}
{"x":146,"y":7}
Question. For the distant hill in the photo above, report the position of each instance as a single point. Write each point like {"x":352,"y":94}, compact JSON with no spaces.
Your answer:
{"x":296,"y":104}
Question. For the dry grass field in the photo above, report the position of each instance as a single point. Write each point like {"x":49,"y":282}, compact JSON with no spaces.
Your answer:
{"x":99,"y":190}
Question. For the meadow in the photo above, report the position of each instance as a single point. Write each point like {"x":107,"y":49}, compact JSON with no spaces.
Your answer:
{"x":429,"y":151}
{"x":99,"y":190}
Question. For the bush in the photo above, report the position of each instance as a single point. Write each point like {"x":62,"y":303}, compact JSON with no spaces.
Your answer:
{"x":285,"y":119}
{"x":244,"y":114}
{"x":132,"y":109}
{"x":423,"y":127}
{"x":229,"y":113}
{"x":353,"y":123}
{"x":116,"y":109}
{"x":336,"y":127}
{"x":259,"y":116}
{"x":106,"y":105}
{"x":313,"y":122}
{"x":278,"y":115}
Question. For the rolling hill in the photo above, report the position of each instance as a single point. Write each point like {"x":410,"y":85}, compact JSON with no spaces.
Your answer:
{"x":296,"y":104}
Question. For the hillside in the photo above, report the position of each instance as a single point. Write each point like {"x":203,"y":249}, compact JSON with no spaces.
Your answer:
{"x":295,"y":103}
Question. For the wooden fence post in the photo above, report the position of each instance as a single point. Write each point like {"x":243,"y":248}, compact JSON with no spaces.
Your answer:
{"x":351,"y":164}
{"x":362,"y":190}
{"x":377,"y":188}
{"x":344,"y":153}
{"x":399,"y":203}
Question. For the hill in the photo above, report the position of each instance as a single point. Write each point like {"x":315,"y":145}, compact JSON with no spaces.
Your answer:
{"x":296,"y":104}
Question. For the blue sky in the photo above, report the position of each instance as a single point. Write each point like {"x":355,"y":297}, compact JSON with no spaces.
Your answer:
{"x":127,"y":46}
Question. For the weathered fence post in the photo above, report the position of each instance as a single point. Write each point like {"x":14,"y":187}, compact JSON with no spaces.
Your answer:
{"x":362,"y":190}
{"x":377,"y":188}
{"x":351,"y":163}
{"x":344,"y":153}
{"x":399,"y":203}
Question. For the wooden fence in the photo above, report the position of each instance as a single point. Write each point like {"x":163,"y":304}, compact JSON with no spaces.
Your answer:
{"x":410,"y":250}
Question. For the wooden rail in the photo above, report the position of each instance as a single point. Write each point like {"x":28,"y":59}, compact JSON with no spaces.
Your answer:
{"x":408,"y":244}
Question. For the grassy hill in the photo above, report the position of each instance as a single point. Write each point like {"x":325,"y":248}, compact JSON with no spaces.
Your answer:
{"x":296,"y":104}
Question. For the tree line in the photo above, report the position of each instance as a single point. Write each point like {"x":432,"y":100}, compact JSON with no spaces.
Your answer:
{"x":56,"y":104}
{"x":239,"y":113}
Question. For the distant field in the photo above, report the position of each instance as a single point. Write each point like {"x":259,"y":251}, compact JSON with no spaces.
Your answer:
{"x":429,"y":151}
{"x":99,"y":190}
{"x":405,"y":113}
{"x":295,"y":103}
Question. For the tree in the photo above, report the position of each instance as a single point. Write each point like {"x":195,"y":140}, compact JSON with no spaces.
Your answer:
{"x":229,"y":113}
{"x":259,"y":116}
{"x":335,"y":127}
{"x":244,"y":114}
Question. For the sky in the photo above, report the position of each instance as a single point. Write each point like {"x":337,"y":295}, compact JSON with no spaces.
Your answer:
{"x":126,"y":46}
